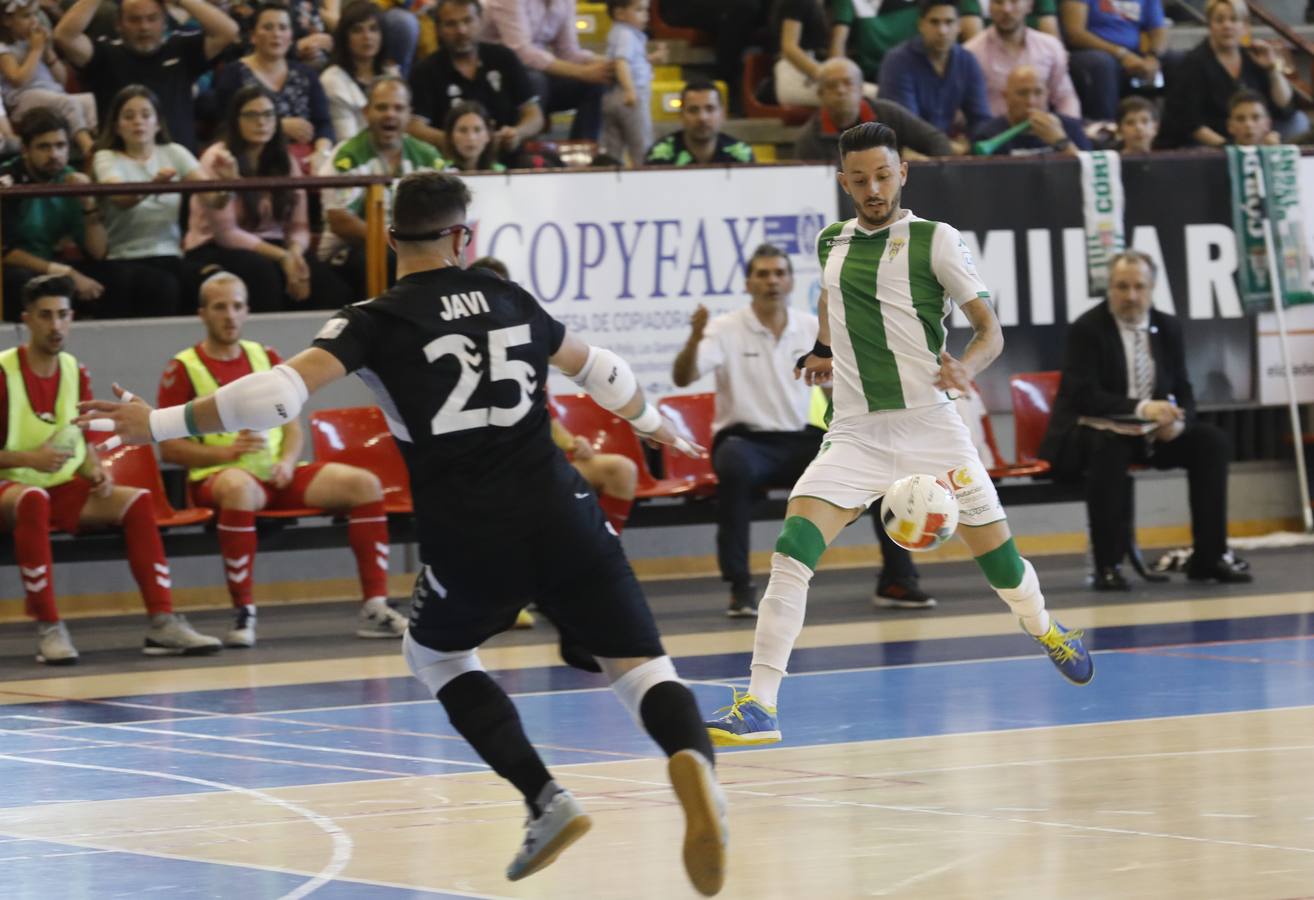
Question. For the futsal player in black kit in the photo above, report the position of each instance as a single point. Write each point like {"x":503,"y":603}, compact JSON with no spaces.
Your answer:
{"x":457,"y":360}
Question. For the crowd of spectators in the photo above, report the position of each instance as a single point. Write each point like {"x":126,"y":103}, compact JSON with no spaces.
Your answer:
{"x":165,"y":90}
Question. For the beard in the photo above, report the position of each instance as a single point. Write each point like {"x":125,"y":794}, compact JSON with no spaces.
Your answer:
{"x":894,"y":207}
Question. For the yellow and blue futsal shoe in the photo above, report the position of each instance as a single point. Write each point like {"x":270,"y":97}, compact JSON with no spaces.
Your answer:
{"x":1067,"y":653}
{"x":744,"y":723}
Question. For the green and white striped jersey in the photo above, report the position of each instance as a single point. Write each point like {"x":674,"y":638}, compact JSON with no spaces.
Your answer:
{"x":888,"y":294}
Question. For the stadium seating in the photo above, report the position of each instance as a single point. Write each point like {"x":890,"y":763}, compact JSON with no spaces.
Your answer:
{"x":608,"y":433}
{"x":1033,"y":401}
{"x":693,"y":414}
{"x":135,"y":466}
{"x":359,"y":436}
{"x":757,"y":66}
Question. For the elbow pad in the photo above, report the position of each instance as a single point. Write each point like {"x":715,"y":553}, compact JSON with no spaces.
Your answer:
{"x":607,"y":378}
{"x":262,"y":400}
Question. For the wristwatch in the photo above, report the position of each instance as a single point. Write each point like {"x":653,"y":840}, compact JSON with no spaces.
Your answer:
{"x":1062,"y":145}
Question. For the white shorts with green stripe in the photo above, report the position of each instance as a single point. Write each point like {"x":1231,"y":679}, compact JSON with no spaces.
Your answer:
{"x":862,"y":456}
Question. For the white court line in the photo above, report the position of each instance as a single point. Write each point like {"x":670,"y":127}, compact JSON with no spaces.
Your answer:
{"x":929,"y":873}
{"x":342,"y":843}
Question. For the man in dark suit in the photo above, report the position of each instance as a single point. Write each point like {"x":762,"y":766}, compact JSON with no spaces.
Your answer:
{"x":1126,"y":362}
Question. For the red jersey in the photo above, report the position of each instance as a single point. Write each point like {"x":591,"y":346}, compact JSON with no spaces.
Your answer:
{"x":176,"y":387}
{"x":41,"y":392}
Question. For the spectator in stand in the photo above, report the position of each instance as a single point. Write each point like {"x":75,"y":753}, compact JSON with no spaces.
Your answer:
{"x":51,"y":477}
{"x":145,"y":242}
{"x":401,"y":31}
{"x":465,"y":68}
{"x":934,"y":78}
{"x":169,"y":66}
{"x":357,"y":60}
{"x":866,"y":31}
{"x":383,"y":148}
{"x":700,"y":141}
{"x":562,"y":75}
{"x":1008,"y":43}
{"x":303,"y":109}
{"x":313,"y":34}
{"x":1138,"y":125}
{"x":8,"y":139}
{"x":626,"y":110}
{"x":1027,"y":100}
{"x":731,"y":23}
{"x":1196,"y":110}
{"x":1105,"y":43}
{"x":37,"y":231}
{"x":843,"y":106}
{"x":799,"y":29}
{"x":260,"y":236}
{"x":1044,"y":17}
{"x":470,"y":146}
{"x":1248,"y":121}
{"x":32,"y":76}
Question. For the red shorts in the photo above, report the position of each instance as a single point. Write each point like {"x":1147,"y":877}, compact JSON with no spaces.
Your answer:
{"x":291,"y":497}
{"x":66,"y":501}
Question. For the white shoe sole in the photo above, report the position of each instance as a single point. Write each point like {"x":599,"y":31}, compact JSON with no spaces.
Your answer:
{"x":236,"y":642}
{"x":160,"y":650}
{"x":385,"y":635}
{"x":704,"y":841}
{"x":57,"y":661}
{"x":893,"y":603}
{"x":572,"y":831}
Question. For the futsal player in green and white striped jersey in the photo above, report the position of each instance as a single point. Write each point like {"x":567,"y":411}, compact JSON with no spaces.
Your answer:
{"x":888,"y":280}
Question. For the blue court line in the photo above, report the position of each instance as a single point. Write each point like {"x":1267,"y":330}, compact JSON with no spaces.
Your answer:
{"x":718,"y":666}
{"x":32,"y":868}
{"x":590,"y":726}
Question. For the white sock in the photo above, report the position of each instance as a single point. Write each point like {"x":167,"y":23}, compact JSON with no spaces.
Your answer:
{"x":1027,"y":602}
{"x":779,"y":621}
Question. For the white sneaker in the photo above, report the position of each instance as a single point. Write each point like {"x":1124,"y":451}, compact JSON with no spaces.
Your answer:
{"x":242,"y":634}
{"x":561,"y":823}
{"x":54,"y":647}
{"x":705,"y":830}
{"x":170,"y":635}
{"x":379,"y":620}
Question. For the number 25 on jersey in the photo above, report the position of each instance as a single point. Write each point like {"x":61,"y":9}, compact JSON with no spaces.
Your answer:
{"x":454,"y":415}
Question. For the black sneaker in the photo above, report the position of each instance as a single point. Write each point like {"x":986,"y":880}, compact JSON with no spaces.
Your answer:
{"x":743,"y":603}
{"x":902,"y":595}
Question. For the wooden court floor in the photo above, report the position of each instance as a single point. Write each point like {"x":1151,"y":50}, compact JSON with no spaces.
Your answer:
{"x":938,"y":757}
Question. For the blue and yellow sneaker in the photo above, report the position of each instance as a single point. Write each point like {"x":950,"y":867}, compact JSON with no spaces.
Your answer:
{"x":743,"y":723}
{"x":1067,"y":652}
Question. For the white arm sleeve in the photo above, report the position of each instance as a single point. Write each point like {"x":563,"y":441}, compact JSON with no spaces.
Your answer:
{"x":262,"y":400}
{"x":607,"y":378}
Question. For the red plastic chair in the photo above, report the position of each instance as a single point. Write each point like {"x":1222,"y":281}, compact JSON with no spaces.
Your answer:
{"x":359,"y":436}
{"x":609,"y":433}
{"x":757,"y":66}
{"x":136,"y":467}
{"x":1033,"y":402}
{"x":693,"y":413}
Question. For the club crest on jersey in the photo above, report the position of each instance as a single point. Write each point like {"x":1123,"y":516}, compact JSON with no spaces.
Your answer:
{"x":458,"y":306}
{"x":895,"y":246}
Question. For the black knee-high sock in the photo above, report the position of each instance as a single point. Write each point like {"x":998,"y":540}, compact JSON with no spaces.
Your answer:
{"x":670,"y":714}
{"x":485,"y":716}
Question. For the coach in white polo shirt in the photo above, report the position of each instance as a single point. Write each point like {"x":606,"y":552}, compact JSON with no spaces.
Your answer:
{"x":761,"y":436}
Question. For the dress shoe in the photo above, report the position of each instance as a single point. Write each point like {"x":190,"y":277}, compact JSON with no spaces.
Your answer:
{"x":1109,"y":578}
{"x":1222,"y":570}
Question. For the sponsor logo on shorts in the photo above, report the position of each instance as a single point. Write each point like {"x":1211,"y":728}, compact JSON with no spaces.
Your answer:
{"x":961,"y":477}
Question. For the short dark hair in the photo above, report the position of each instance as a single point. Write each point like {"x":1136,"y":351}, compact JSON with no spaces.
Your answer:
{"x":492,"y":264}
{"x":159,"y":3}
{"x":613,"y":5}
{"x":924,"y":7}
{"x":47,"y":286}
{"x":1135,"y":256}
{"x":768,"y":251}
{"x":1133,"y":104}
{"x":1244,"y":96}
{"x":867,"y":136}
{"x":38,"y":122}
{"x":427,"y":201}
{"x":699,"y":84}
{"x":441,"y":3}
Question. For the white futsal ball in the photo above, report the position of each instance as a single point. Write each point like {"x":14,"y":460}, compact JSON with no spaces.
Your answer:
{"x":919,"y":512}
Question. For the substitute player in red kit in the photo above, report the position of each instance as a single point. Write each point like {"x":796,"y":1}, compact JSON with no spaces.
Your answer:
{"x":51,"y":478}
{"x":239,"y":473}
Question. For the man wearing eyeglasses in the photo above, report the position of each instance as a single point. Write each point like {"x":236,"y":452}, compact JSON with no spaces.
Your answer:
{"x":383,"y":148}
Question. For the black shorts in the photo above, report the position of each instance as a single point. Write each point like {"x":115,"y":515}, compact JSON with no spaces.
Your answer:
{"x":556,"y":550}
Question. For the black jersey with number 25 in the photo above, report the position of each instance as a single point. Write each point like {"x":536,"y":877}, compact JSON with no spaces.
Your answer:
{"x":458,"y":360}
